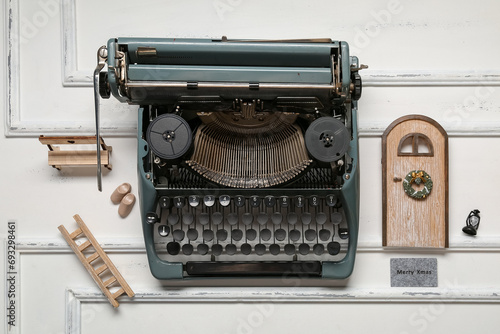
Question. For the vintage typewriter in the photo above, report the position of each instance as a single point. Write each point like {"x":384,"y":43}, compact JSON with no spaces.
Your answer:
{"x":247,"y":153}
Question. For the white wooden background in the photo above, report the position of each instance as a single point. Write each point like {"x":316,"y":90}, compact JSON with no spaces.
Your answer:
{"x":439,"y":59}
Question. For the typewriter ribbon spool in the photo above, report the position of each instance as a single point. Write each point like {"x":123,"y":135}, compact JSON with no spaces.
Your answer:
{"x":169,"y":136}
{"x":327,"y":139}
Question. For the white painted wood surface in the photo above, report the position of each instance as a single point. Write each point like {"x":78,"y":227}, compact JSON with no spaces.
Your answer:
{"x":434,"y":58}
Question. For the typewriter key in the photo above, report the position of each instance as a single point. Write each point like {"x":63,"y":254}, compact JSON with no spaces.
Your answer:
{"x":208,"y":235}
{"x":318,"y":249}
{"x":277,"y":218}
{"x":310,"y":234}
{"x":255,"y":201}
{"x":178,"y":235}
{"x":187,"y":249}
{"x":262,"y":218}
{"x":269,"y":201}
{"x":192,"y":234}
{"x":236,"y":234}
{"x":299,"y":201}
{"x":291,"y":218}
{"x":187,"y":218}
{"x":163,"y":230}
{"x":280,"y":234}
{"x":216,"y":249}
{"x":202,"y":249}
{"x":209,"y":200}
{"x":306,"y":218}
{"x":203,"y":218}
{"x":216,"y":218}
{"x":333,"y":248}
{"x":221,"y":235}
{"x":246,"y":249}
{"x":173,"y":248}
{"x":251,"y":234}
{"x":173,"y":218}
{"x":284,"y":201}
{"x":331,"y":200}
{"x":321,"y":218}
{"x":274,"y":249}
{"x":224,"y":200}
{"x":324,"y":234}
{"x":265,"y":234}
{"x":247,"y":218}
{"x":239,"y":200}
{"x":232,"y":218}
{"x":260,"y":249}
{"x":304,"y":249}
{"x":343,"y":233}
{"x":164,"y":202}
{"x":194,"y":200}
{"x":314,"y":200}
{"x":179,"y":202}
{"x":289,"y":249}
{"x":152,"y":217}
{"x":231,"y":249}
{"x":336,"y":217}
{"x":294,"y":235}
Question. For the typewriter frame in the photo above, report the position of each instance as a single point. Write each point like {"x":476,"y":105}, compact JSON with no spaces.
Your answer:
{"x":348,"y":194}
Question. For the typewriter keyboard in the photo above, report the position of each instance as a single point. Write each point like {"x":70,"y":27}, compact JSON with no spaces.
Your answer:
{"x":238,"y":228}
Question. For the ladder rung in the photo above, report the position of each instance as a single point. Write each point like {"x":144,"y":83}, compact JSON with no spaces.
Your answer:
{"x":83,"y":246}
{"x":99,"y":270}
{"x":92,"y":257}
{"x":118,"y":293}
{"x":109,"y":281}
{"x":76,"y":233}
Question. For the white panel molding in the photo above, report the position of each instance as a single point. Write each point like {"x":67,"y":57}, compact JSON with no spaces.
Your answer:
{"x":369,"y":244}
{"x":293,"y":295}
{"x":76,"y":297}
{"x":72,"y":76}
{"x":15,"y":125}
{"x":425,"y":78}
{"x":13,"y":118}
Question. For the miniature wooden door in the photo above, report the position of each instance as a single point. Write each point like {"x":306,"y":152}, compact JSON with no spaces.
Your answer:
{"x":415,"y":183}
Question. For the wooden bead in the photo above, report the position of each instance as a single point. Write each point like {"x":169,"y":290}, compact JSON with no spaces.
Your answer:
{"x":120,"y":192}
{"x":126,"y":205}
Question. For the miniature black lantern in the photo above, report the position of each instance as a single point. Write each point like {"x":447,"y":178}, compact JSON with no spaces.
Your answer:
{"x":472,"y":222}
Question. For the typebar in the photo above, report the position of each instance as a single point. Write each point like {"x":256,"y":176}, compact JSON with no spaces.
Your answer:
{"x":300,"y":268}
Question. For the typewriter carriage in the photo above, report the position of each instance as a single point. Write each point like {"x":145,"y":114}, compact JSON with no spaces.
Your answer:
{"x":215,"y":113}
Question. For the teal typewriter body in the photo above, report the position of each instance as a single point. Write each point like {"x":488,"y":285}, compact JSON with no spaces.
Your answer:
{"x":247,"y":153}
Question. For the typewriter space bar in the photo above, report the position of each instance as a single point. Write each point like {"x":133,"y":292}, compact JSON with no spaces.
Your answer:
{"x":302,"y":268}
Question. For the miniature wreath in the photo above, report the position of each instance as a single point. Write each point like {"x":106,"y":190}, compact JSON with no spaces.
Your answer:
{"x":417,"y":176}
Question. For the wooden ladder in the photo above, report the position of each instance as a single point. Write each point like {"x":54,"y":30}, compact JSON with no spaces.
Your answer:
{"x":96,"y":271}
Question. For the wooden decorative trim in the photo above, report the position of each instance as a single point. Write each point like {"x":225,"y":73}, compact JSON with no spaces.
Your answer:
{"x":415,"y":141}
